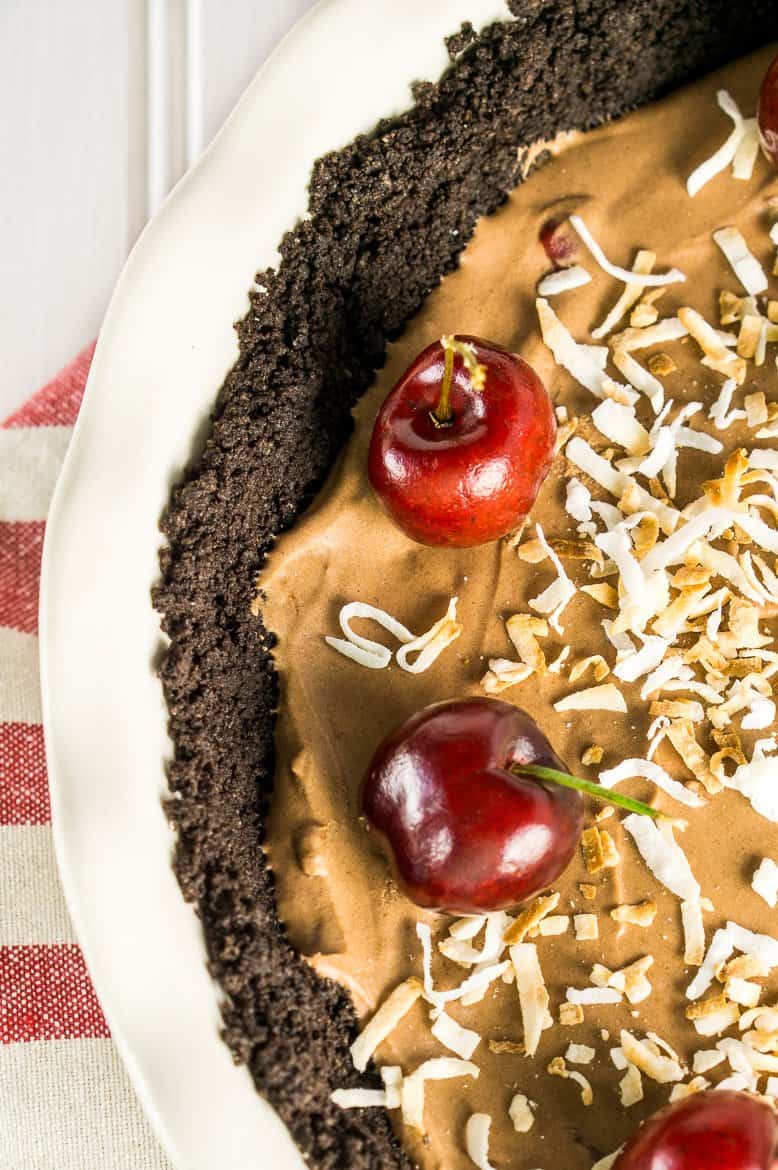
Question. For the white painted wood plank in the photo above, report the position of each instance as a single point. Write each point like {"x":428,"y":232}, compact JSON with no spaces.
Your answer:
{"x":236,"y":37}
{"x":75,"y":90}
{"x":65,"y":196}
{"x":76,"y":83}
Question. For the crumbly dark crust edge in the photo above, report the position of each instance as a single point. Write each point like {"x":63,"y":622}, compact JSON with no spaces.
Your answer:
{"x":389,"y":215}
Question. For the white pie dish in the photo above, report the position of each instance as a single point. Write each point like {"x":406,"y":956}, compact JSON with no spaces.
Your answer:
{"x":165,"y":346}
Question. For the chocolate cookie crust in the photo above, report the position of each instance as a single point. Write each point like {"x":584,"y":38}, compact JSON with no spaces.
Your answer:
{"x":389,"y":215}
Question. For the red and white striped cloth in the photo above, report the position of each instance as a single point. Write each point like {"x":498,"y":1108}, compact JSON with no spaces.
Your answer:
{"x":65,"y":1100}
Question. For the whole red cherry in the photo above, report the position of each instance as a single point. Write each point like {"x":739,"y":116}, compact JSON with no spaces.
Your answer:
{"x":462,"y":444}
{"x":767,"y":113}
{"x":708,"y":1131}
{"x":462,"y":831}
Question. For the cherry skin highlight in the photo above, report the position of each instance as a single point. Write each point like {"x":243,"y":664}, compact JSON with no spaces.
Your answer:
{"x":708,"y":1131}
{"x":767,"y":113}
{"x":462,"y":832}
{"x":469,"y":474}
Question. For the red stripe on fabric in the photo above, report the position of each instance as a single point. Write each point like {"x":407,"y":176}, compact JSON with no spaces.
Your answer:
{"x":58,"y":402}
{"x":21,"y":545}
{"x":24,"y":786}
{"x":46,"y":994}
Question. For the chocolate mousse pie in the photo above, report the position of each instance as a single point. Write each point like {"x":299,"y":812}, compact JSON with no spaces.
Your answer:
{"x":472,"y":686}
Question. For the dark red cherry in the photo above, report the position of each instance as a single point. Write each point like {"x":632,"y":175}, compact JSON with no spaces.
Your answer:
{"x":558,"y":242}
{"x":767,"y":113}
{"x":464,"y":833}
{"x":456,"y":465}
{"x":708,"y":1131}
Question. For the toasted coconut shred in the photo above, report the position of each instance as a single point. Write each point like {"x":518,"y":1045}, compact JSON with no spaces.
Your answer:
{"x":385,"y":1021}
{"x":521,"y":1112}
{"x":726,"y":153}
{"x":375,"y":656}
{"x":676,"y":574}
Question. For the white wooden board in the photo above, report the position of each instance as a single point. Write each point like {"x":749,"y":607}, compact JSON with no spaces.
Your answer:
{"x":105,"y":103}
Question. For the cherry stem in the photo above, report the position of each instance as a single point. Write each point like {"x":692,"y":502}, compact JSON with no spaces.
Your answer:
{"x":443,"y":415}
{"x":540,"y":772}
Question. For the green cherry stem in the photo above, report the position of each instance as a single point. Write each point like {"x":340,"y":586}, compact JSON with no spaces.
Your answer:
{"x":443,"y":415}
{"x":540,"y":772}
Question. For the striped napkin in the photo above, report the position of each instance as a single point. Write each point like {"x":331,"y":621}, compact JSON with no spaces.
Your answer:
{"x":65,"y":1100}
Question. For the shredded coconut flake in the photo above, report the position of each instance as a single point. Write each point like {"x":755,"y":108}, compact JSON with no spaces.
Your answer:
{"x":644,"y":280}
{"x":720,"y":414}
{"x":521,"y":1114}
{"x":641,"y":378}
{"x":524,"y":631}
{"x":717,"y":1022}
{"x":375,"y":656}
{"x":631,"y":1086}
{"x":558,"y":1068}
{"x":658,"y":1067}
{"x":765,"y":881}
{"x":579,"y":452}
{"x":554,"y":599}
{"x":366,"y":651}
{"x":644,"y":262}
{"x":593,"y":995}
{"x":555,"y":667}
{"x":441,"y":1068}
{"x":693,"y":933}
{"x":706,"y":1058}
{"x":757,"y":782}
{"x":744,"y":264}
{"x":742,"y":992}
{"x":579,"y":498}
{"x":606,"y":697}
{"x":392,"y":1077}
{"x":563,"y":280}
{"x":587,"y":927}
{"x":634,"y":665}
{"x":528,"y":918}
{"x":359,"y":1098}
{"x":386,"y":1019}
{"x":462,"y":1041}
{"x":431,"y":645}
{"x":642,"y":914}
{"x":503,"y":673}
{"x":668,"y":329}
{"x":717,"y":355}
{"x":619,"y":424}
{"x":576,"y":359}
{"x":477,"y":1140}
{"x":720,"y":949}
{"x":580,"y":1054}
{"x":663,"y":856}
{"x":648,"y":770}
{"x":719,"y":161}
{"x":762,"y":946}
{"x":533,"y":997}
{"x":554,"y":924}
{"x":466,"y":929}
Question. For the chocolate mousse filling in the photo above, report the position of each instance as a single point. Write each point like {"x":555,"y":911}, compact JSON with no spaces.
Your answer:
{"x":389,"y":216}
{"x":333,"y":887}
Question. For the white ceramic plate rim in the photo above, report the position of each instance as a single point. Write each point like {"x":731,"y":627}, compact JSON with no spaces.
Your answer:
{"x":165,"y":346}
